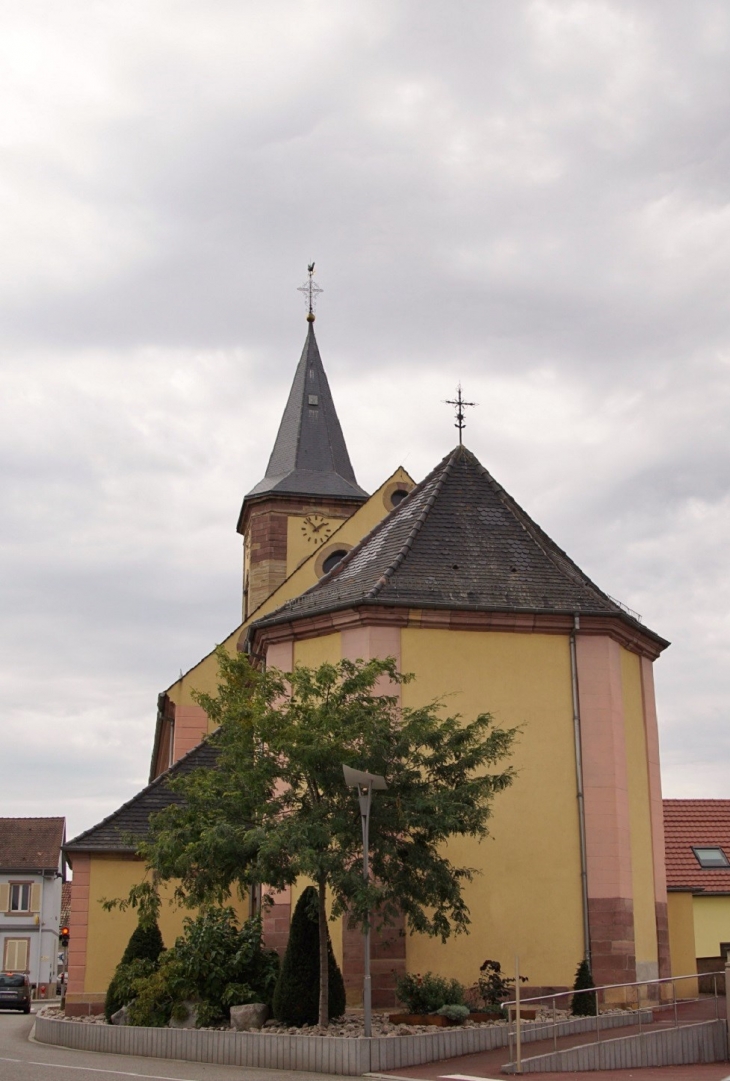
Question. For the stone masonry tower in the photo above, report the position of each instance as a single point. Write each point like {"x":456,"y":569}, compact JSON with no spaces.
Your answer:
{"x":308,"y":489}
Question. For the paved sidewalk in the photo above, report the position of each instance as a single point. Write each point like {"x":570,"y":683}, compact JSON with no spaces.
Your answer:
{"x":468,"y":1068}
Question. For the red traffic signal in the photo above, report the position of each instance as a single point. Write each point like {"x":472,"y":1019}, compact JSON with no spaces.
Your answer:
{"x":63,"y":936}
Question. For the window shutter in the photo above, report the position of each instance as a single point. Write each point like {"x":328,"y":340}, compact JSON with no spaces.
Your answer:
{"x":16,"y":954}
{"x":22,"y":954}
{"x":35,"y":897}
{"x":4,"y":896}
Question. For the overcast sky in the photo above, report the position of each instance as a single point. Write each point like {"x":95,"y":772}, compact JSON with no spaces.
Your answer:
{"x":530,"y":197}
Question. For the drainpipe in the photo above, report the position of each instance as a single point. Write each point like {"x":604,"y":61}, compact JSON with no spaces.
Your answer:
{"x":579,"y":786}
{"x":40,"y":939}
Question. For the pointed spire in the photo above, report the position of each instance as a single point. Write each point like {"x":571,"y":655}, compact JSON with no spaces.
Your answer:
{"x":310,"y":456}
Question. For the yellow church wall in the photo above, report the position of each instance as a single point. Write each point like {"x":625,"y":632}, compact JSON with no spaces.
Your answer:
{"x":313,"y":651}
{"x":642,"y":850}
{"x":531,"y":861}
{"x":109,"y":932}
{"x":711,"y":921}
{"x":682,"y":942}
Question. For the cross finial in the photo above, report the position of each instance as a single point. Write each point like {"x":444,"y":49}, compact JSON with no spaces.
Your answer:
{"x":460,"y":405}
{"x":310,"y":290}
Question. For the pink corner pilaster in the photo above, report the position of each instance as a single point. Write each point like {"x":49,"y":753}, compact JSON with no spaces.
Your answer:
{"x":608,"y":831}
{"x":191,"y":725}
{"x":651,"y":730}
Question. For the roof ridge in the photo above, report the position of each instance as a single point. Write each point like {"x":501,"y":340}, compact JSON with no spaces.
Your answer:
{"x":415,"y":529}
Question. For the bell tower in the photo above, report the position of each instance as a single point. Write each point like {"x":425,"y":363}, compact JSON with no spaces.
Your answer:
{"x":309,"y":487}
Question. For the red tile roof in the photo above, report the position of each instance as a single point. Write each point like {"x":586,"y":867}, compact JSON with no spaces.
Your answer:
{"x":698,"y":822}
{"x":31,"y":844}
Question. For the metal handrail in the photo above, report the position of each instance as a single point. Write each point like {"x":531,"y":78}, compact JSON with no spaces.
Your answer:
{"x":638,"y":984}
{"x":606,"y":987}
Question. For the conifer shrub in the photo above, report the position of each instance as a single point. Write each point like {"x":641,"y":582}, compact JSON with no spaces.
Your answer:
{"x":583,"y":1003}
{"x":145,"y":945}
{"x":296,"y":996}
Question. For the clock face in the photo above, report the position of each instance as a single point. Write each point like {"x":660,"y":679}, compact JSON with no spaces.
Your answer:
{"x":317,"y":529}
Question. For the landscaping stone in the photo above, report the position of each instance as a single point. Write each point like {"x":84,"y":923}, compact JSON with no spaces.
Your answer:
{"x":121,"y":1017}
{"x":249,"y":1017}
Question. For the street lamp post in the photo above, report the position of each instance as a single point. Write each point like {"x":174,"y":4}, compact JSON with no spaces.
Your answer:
{"x":366,"y":784}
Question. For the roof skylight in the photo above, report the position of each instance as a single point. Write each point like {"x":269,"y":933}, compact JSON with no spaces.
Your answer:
{"x":711,"y":856}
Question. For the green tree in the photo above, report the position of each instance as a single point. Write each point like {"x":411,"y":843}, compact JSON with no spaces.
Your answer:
{"x":583,"y":1003}
{"x":276,"y":808}
{"x":296,"y":998}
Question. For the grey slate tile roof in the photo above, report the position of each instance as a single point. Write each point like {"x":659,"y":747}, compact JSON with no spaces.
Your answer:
{"x":113,"y":833}
{"x":310,"y":456}
{"x":31,"y":844}
{"x":458,"y":541}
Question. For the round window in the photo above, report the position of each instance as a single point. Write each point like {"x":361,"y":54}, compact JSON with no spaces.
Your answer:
{"x":398,"y":496}
{"x":332,"y":560}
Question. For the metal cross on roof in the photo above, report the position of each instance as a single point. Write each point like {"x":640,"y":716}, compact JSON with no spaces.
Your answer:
{"x":460,"y":406}
{"x":310,"y":290}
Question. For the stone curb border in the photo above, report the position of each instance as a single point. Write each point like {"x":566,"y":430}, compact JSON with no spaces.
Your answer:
{"x":705,"y":1041}
{"x":315,"y":1054}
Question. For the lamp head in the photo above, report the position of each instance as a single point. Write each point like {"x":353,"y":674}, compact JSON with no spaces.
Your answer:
{"x":356,"y":778}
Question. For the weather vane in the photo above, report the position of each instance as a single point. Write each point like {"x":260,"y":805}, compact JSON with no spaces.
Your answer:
{"x":311,"y":291}
{"x":460,"y":406}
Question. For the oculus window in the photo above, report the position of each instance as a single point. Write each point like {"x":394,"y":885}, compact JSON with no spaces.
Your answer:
{"x":710,"y":856}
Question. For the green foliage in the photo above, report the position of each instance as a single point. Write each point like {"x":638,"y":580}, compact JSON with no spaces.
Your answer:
{"x":454,"y":1011}
{"x":296,"y":998}
{"x":157,"y":995}
{"x":145,"y":944}
{"x":583,"y":1003}
{"x":122,"y":988}
{"x":428,"y":993}
{"x":494,"y":986}
{"x":214,"y":963}
{"x":277,"y":808}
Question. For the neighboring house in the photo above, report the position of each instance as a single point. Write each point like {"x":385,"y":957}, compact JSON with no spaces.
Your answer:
{"x":453,"y":579}
{"x":31,"y":877}
{"x":697,"y":838}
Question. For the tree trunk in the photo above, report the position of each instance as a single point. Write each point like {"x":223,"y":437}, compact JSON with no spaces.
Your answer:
{"x":324,"y":968}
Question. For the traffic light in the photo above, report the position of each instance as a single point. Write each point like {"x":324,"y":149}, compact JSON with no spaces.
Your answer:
{"x":63,"y":936}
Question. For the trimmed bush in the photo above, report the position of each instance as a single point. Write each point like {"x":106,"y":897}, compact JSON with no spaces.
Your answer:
{"x":145,"y":944}
{"x":296,"y":997}
{"x":583,"y":1003}
{"x":428,"y":993}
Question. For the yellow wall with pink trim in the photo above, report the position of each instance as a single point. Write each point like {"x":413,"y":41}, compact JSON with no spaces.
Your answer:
{"x":528,"y":899}
{"x":109,"y":932}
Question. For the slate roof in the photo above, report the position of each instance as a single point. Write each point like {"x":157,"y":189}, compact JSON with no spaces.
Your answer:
{"x":458,"y":541}
{"x":31,"y":844}
{"x":114,"y":833}
{"x":699,"y":822}
{"x":310,"y":456}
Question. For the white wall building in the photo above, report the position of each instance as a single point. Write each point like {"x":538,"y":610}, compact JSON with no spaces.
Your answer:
{"x":31,"y":878}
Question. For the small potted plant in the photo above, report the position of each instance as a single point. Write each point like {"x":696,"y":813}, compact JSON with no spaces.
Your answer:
{"x":430,"y":1000}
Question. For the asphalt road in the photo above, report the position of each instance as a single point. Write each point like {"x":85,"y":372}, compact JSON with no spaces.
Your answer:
{"x":24,"y":1060}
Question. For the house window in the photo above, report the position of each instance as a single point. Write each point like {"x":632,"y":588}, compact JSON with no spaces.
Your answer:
{"x":20,"y":897}
{"x":15,"y":954}
{"x":711,"y":856}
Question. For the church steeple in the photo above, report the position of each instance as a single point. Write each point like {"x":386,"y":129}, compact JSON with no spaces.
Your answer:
{"x":309,"y":486}
{"x":310,"y":456}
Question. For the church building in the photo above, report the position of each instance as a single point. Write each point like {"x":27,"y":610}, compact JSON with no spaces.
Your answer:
{"x":452,"y":578}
